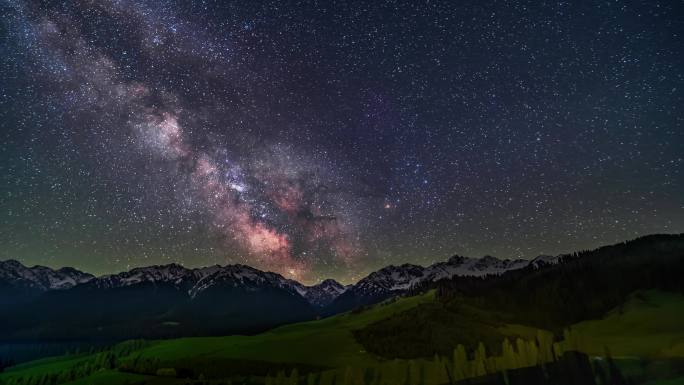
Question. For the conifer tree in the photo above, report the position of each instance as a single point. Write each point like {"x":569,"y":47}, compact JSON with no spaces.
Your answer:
{"x":479,"y":368}
{"x":545,"y":340}
{"x":571,"y":340}
{"x":460,"y":370}
{"x":432,"y":373}
{"x":385,"y":373}
{"x":294,"y":377}
{"x":509,"y":359}
{"x":311,"y":379}
{"x":444,"y":363}
{"x":376,"y":375}
{"x":327,"y":378}
{"x":557,"y":350}
{"x":532,"y":352}
{"x":523,"y":359}
{"x":346,"y":378}
{"x":414,"y":372}
{"x":280,"y":378}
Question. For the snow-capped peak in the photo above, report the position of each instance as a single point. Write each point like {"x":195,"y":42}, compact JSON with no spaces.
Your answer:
{"x":41,"y":277}
{"x":476,"y":267}
{"x":322,"y":293}
{"x":545,"y":260}
{"x":404,"y":277}
{"x":386,"y":281}
{"x":242,"y":276}
{"x":389,"y":279}
{"x":172,"y":273}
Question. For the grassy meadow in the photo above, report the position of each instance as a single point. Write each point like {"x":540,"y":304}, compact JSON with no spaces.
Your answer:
{"x":646,"y":327}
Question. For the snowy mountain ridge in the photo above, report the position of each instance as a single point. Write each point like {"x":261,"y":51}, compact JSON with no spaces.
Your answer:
{"x":388,"y":280}
{"x":324,"y":293}
{"x":41,"y":277}
{"x":407,"y":276}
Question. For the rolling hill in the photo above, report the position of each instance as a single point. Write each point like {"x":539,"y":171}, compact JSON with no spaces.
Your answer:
{"x":329,"y":344}
{"x":624,"y":301}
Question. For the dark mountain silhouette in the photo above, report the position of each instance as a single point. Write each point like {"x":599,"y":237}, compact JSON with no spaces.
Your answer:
{"x":545,"y":294}
{"x":170,"y":300}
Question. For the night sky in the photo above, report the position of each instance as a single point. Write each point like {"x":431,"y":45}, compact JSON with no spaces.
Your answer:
{"x":328,"y":139}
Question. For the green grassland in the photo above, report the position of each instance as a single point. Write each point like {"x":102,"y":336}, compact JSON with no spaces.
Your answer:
{"x":324,"y":343}
{"x":648,"y":325}
{"x":314,"y":345}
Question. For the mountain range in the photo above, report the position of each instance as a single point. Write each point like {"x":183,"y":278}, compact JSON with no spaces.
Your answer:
{"x":387,"y":281}
{"x":472,"y":302}
{"x":172,"y":300}
{"x":168,"y":301}
{"x":40,"y":277}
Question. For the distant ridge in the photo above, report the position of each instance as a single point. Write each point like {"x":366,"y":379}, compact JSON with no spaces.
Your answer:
{"x":171,"y":300}
{"x":391,"y":279}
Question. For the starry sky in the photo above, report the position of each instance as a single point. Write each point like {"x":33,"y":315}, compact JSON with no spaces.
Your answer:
{"x":328,"y":139}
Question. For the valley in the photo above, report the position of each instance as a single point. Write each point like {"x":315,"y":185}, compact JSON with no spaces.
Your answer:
{"x":450,"y":330}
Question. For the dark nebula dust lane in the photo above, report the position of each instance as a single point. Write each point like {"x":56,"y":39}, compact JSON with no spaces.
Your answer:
{"x":327,"y":140}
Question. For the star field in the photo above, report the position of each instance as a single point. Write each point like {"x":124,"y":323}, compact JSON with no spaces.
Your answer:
{"x":328,"y":139}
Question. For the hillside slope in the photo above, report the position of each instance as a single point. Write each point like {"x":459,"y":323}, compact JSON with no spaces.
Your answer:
{"x":313,"y":345}
{"x":552,"y":297}
{"x":318,"y":346}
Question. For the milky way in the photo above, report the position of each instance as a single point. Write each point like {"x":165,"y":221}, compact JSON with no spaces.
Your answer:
{"x":327,"y":140}
{"x":275,"y":205}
